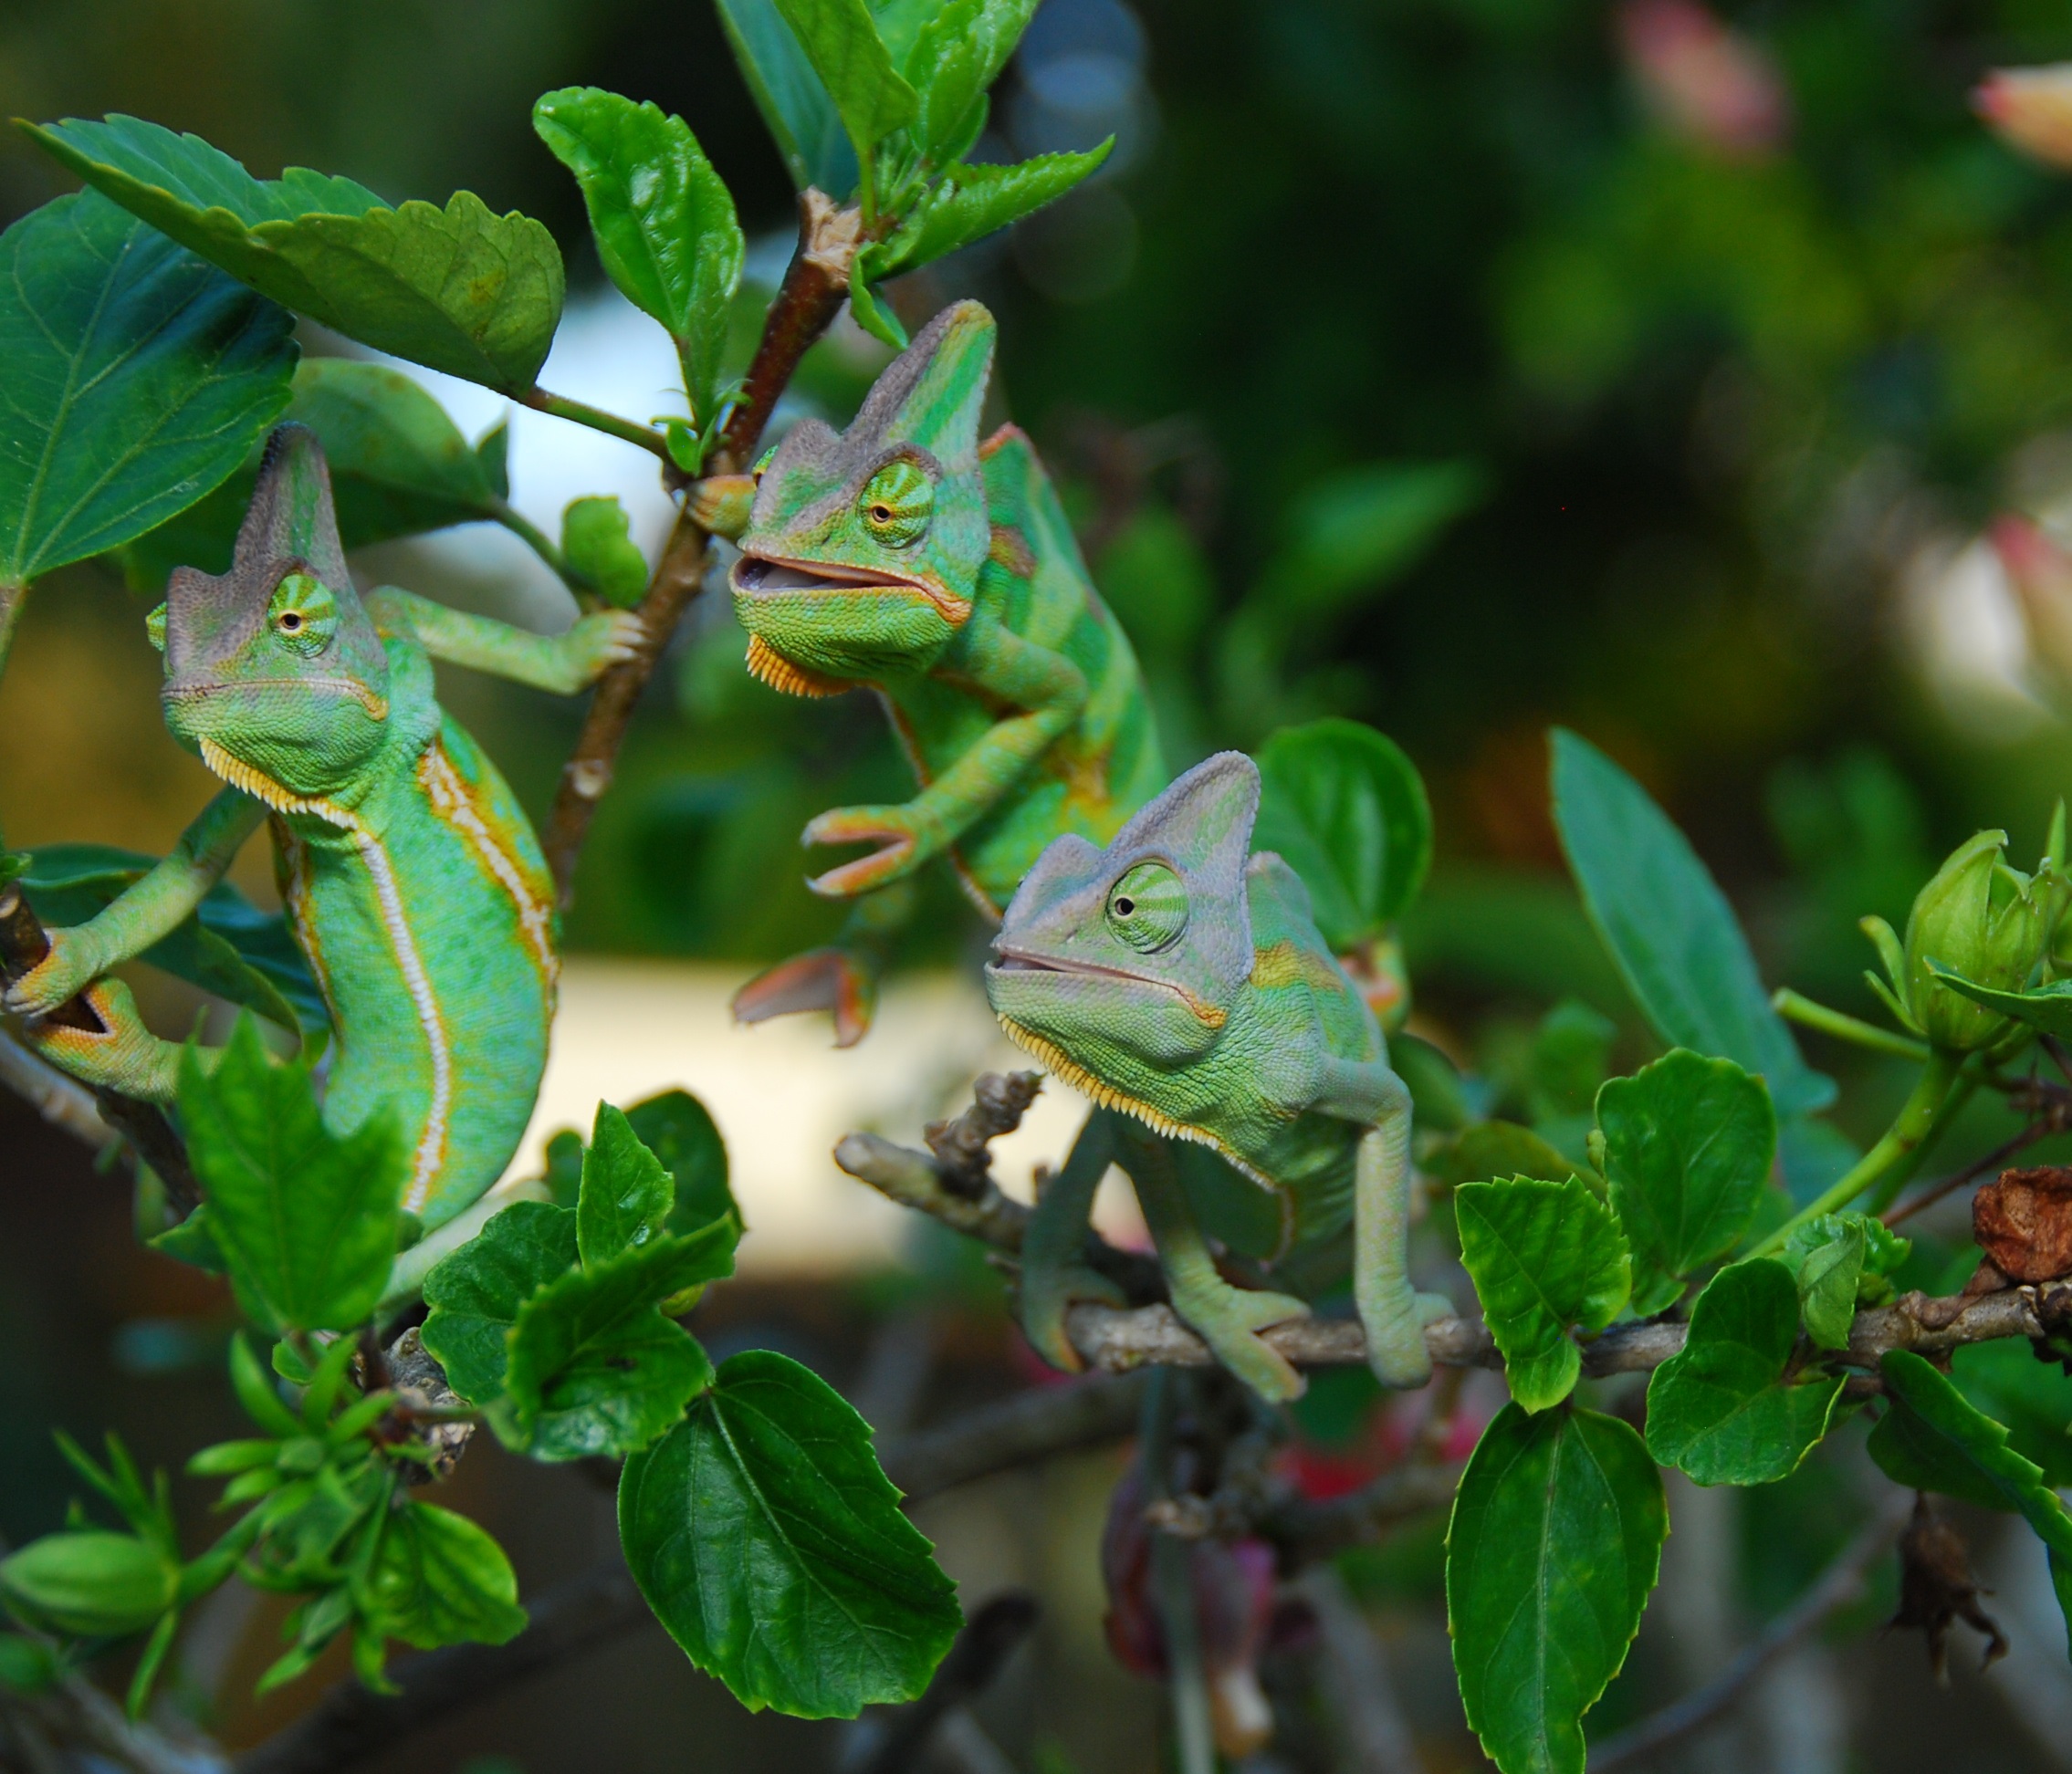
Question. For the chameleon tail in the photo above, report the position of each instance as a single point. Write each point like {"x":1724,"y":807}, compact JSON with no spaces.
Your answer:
{"x":842,"y":977}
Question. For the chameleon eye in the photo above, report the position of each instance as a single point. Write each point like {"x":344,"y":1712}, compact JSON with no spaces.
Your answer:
{"x":304,"y":615}
{"x":1147,"y":908}
{"x":896,"y":503}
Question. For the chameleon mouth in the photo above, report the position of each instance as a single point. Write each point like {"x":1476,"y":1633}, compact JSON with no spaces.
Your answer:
{"x":1013,"y":960}
{"x":776,"y":576}
{"x":376,"y":706}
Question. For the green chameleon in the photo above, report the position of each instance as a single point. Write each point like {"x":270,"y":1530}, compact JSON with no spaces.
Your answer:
{"x":412,"y":882}
{"x":1187,"y":991}
{"x":907,"y":555}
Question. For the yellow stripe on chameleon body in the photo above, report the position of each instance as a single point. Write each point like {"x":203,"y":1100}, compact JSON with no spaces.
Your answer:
{"x":1054,"y":1060}
{"x":448,"y":793}
{"x":432,"y":1147}
{"x":1288,"y":962}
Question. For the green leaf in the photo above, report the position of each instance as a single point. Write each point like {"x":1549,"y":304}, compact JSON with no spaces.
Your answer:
{"x":626,"y":1193}
{"x":460,"y":290}
{"x":1687,"y":1146}
{"x":1828,"y":1256}
{"x":843,"y":47}
{"x":1348,"y":811}
{"x":1555,"y":1541}
{"x":593,"y":1366}
{"x":664,"y":222}
{"x":2004,"y":1379}
{"x":307,"y":1221}
{"x":769,"y":1541}
{"x":957,"y":56}
{"x":1360,"y":530}
{"x":597,"y":545}
{"x":476,"y":1293}
{"x":136,"y":377}
{"x":437,"y":1578}
{"x":1542,"y":1257}
{"x":2049,"y":1007}
{"x":1666,"y":923}
{"x":795,"y":106}
{"x":227,"y":946}
{"x":968,"y":202}
{"x":1485,"y":1151}
{"x":1720,"y":1409}
{"x":676,"y":1128}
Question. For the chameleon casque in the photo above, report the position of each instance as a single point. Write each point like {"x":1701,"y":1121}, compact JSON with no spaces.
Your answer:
{"x":412,"y":882}
{"x":905,"y":556}
{"x":1185,"y":988}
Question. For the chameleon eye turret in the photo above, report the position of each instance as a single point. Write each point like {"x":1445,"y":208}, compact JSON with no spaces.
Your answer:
{"x":303,"y":615}
{"x":896,"y":503}
{"x":1149,"y":908}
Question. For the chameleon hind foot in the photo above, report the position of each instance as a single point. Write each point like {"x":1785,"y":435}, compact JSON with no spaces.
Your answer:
{"x":1230,"y":1320}
{"x":831,"y":980}
{"x":1396,"y":1336}
{"x":123,"y":1055}
{"x":1048,"y":1292}
{"x":896,"y":833}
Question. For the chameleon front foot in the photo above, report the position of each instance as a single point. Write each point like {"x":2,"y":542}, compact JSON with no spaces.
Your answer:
{"x":1049,"y":1291}
{"x":831,"y":980}
{"x":1395,"y":1328}
{"x":1230,"y":1320}
{"x":122,"y":1055}
{"x":894,"y":829}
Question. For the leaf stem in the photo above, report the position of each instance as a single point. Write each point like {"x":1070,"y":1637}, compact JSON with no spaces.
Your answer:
{"x":12,"y":598}
{"x":1898,"y":1145}
{"x":1843,"y":1027}
{"x":538,"y":541}
{"x":583,"y":414}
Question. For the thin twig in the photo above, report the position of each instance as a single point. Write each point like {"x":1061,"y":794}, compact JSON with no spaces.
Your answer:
{"x":1306,"y":1532}
{"x":1838,"y":1586}
{"x":1033,"y":1425}
{"x":61,"y":1102}
{"x":1998,"y":1157}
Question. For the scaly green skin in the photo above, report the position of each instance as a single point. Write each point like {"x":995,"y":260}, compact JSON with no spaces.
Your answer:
{"x":412,"y":882}
{"x":1186,"y":987}
{"x":905,"y":556}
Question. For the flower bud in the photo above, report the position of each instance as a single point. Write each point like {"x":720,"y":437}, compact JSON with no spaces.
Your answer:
{"x":92,"y":1585}
{"x":2030,"y":109}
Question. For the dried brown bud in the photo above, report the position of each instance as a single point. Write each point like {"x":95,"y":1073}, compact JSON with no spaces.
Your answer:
{"x":1936,"y":1588}
{"x":2022,"y":1221}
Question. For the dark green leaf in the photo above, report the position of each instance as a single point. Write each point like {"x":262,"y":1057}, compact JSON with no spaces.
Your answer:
{"x":438,"y":1579}
{"x":844,"y":49}
{"x":1555,"y":1541}
{"x":768,"y":1540}
{"x":626,"y":1193}
{"x":676,"y":1128}
{"x":1348,"y":811}
{"x":1360,"y":530}
{"x":1719,"y":1410}
{"x":598,"y":546}
{"x":1486,"y":1150}
{"x":794,"y":104}
{"x":664,"y":219}
{"x":306,"y":1220}
{"x":2004,"y":1379}
{"x":136,"y":377}
{"x":1542,"y":1257}
{"x":1670,"y":928}
{"x":1687,"y":1146}
{"x":475,"y":1294}
{"x":460,"y":290}
{"x":957,"y":56}
{"x":2049,"y":1007}
{"x":968,"y":202}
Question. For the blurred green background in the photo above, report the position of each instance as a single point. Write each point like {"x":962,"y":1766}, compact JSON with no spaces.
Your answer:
{"x":1465,"y":366}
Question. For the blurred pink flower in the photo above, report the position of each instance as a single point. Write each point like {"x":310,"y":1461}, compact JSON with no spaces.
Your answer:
{"x":2030,"y":109}
{"x":2039,"y":573}
{"x":1708,"y":83}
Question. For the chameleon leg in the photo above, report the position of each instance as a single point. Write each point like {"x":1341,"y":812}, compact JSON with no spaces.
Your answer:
{"x":1393,"y":1315}
{"x":1228,"y":1318}
{"x":1054,"y":1273}
{"x":125,"y":1057}
{"x":563,"y":664}
{"x":842,"y":977}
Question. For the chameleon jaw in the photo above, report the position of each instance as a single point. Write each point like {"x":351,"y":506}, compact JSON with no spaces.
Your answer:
{"x":1016,"y":960}
{"x":757,"y":575}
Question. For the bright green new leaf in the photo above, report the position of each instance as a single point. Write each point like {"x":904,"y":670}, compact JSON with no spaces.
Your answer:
{"x":136,"y":379}
{"x":1836,"y":1262}
{"x":957,"y":56}
{"x":593,"y":1366}
{"x":1669,"y":927}
{"x":795,"y":106}
{"x":597,"y":545}
{"x":1720,"y":1409}
{"x":664,"y":221}
{"x":843,"y":47}
{"x":437,"y":1578}
{"x":968,"y":202}
{"x":307,"y":1221}
{"x":1687,"y":1146}
{"x":1932,"y":1438}
{"x":1542,"y":1257}
{"x":626,"y":1193}
{"x":1555,"y":1541}
{"x":475,"y":1294}
{"x":2049,"y":1007}
{"x":770,"y":1542}
{"x":676,"y":1128}
{"x":461,"y":289}
{"x":1346,"y":809}
{"x":1360,"y":530}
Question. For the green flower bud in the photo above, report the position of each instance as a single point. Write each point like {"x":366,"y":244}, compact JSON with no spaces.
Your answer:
{"x":1979,"y":918}
{"x":92,"y":1585}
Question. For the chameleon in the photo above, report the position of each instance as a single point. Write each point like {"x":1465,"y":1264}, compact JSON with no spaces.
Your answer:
{"x":411,"y":881}
{"x":907,"y":556}
{"x":1180,"y":982}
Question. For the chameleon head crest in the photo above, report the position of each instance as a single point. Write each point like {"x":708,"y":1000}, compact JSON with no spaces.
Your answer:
{"x":863,"y":547}
{"x":1134,"y":954}
{"x":274,"y":671}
